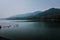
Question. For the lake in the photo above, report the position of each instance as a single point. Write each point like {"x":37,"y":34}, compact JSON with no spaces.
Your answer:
{"x":21,"y":30}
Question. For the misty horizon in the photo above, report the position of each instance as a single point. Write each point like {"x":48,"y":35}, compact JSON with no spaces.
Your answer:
{"x":13,"y":7}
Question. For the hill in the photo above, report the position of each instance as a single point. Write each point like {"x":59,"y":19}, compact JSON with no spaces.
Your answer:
{"x":52,"y":14}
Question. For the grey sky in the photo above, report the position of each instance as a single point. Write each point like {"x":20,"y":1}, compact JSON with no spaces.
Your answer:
{"x":13,"y":7}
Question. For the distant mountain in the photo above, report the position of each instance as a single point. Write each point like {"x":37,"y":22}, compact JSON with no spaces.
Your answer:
{"x":27,"y":14}
{"x":52,"y":13}
{"x":24,"y":16}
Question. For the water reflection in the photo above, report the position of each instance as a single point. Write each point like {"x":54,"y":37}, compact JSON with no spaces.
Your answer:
{"x":8,"y":26}
{"x":31,"y":24}
{"x":53,"y":24}
{"x":18,"y":30}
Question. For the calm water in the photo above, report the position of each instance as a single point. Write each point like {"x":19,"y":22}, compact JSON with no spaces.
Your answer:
{"x":17,"y":30}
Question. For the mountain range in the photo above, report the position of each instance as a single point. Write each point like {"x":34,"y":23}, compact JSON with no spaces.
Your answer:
{"x":52,"y":13}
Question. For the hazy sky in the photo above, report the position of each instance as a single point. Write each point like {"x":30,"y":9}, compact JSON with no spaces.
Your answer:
{"x":13,"y":7}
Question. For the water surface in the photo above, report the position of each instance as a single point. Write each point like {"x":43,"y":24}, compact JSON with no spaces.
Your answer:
{"x":17,"y":30}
